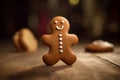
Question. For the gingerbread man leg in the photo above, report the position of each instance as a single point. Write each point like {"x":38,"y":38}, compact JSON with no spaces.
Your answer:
{"x":50,"y":59}
{"x":69,"y":59}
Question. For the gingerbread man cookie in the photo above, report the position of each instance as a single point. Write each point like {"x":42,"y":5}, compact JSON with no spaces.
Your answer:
{"x":59,"y":42}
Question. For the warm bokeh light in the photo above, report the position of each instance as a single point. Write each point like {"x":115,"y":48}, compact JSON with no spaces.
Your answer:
{"x":91,"y":19}
{"x":74,"y":2}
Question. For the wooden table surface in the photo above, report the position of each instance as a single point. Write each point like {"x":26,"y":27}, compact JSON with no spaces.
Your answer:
{"x":29,"y":66}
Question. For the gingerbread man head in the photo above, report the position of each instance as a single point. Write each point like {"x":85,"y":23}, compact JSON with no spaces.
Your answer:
{"x":59,"y":24}
{"x":59,"y":42}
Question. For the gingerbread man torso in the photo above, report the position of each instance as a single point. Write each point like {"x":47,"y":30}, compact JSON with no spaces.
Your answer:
{"x":60,"y":43}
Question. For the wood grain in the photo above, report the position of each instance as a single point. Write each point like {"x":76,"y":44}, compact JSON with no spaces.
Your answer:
{"x":29,"y":66}
{"x":113,"y":57}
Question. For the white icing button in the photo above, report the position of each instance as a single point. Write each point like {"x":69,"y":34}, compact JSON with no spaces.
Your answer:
{"x":61,"y":51}
{"x":60,"y":35}
{"x":60,"y":47}
{"x":60,"y":42}
{"x":60,"y":39}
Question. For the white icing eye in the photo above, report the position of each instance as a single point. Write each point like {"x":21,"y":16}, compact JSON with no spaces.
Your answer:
{"x":62,"y":22}
{"x":55,"y":21}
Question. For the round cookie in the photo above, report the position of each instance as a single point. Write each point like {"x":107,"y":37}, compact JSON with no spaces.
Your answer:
{"x":24,"y":40}
{"x":99,"y":46}
{"x":59,"y":42}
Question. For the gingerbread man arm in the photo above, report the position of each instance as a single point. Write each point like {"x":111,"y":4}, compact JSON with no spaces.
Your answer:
{"x":46,"y":39}
{"x":74,"y":39}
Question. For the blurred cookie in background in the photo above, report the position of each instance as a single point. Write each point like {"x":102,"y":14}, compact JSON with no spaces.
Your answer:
{"x":24,"y":40}
{"x":99,"y":46}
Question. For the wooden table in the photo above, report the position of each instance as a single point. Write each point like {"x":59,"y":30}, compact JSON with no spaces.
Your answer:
{"x":29,"y":66}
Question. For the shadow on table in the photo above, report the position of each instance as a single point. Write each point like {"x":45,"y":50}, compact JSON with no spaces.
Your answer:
{"x":37,"y":72}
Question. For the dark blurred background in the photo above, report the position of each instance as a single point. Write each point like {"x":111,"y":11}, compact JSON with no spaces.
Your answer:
{"x":89,"y":19}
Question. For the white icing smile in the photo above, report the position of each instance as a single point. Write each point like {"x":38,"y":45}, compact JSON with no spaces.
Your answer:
{"x":59,"y":28}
